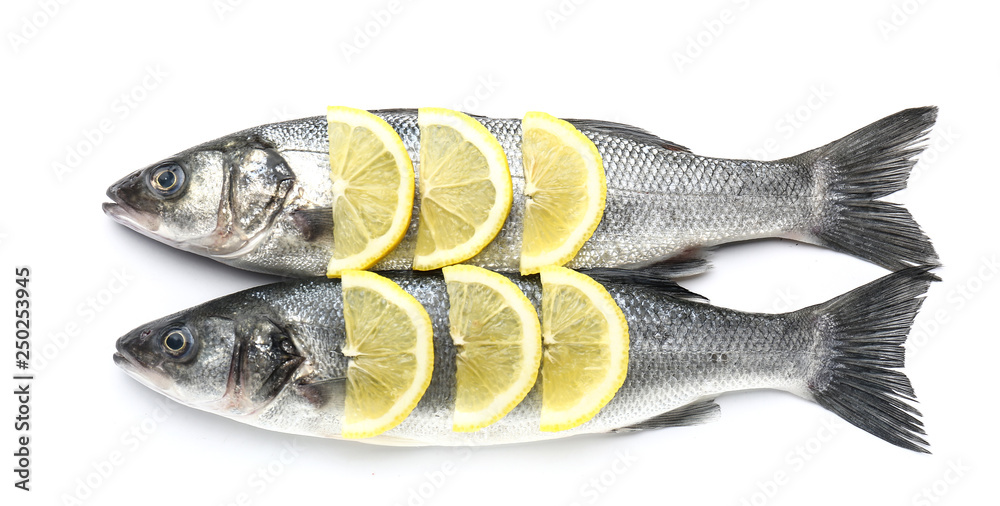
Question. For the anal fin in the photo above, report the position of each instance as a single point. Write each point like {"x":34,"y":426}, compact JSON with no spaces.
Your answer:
{"x":696,"y":413}
{"x":690,"y":262}
{"x":653,"y":279}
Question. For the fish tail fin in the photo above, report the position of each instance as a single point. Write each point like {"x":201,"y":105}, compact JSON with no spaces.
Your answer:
{"x":858,"y":170}
{"x":861,"y":336}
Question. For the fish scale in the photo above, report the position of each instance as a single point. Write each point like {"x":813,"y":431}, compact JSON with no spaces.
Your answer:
{"x":681,"y":355}
{"x":664,"y":204}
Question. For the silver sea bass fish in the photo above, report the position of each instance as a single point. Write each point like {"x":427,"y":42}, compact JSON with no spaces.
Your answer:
{"x":261,"y":199}
{"x":270,"y":357}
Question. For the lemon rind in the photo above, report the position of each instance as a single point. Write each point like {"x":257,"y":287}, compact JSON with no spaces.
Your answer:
{"x":554,"y":421}
{"x":380,"y":247}
{"x":531,"y":343}
{"x":423,"y":351}
{"x":595,"y":179}
{"x":491,"y":149}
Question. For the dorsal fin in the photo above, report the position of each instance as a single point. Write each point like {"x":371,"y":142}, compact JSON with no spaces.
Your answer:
{"x":651,"y":278}
{"x":628,"y":131}
{"x":402,"y":111}
{"x":696,"y":413}
{"x":595,"y":125}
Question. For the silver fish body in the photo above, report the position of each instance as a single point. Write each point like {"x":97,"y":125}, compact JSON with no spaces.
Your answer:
{"x":260,"y":199}
{"x":270,"y":357}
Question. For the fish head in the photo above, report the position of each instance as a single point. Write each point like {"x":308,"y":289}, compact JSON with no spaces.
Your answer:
{"x":233,"y":362}
{"x":217,"y":199}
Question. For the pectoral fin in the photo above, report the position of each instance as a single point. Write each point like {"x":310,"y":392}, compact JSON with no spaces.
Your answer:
{"x":313,"y":222}
{"x":323,"y":392}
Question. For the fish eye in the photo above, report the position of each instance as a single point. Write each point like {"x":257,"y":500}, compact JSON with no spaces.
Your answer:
{"x":166,"y":179}
{"x":178,"y":342}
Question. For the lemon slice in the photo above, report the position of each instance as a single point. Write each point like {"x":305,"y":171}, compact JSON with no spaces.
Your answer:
{"x":465,"y":189}
{"x":565,"y":188}
{"x":391,"y":350}
{"x":372,"y":188}
{"x":499,"y":341}
{"x":584,"y":348}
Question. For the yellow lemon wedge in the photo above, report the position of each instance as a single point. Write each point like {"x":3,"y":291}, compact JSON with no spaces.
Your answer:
{"x":372,"y":178}
{"x":584,"y":348}
{"x":465,"y":188}
{"x":498,"y":339}
{"x":390,"y":345}
{"x":565,"y":189}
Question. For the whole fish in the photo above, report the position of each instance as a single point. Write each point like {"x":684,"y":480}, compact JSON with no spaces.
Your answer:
{"x":261,"y":199}
{"x":270,"y":357}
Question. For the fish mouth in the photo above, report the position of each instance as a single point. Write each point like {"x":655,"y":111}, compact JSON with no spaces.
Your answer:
{"x":147,"y":224}
{"x":144,"y":223}
{"x":124,"y":359}
{"x":144,"y":375}
{"x":130,"y":366}
{"x":126,"y":214}
{"x":118,"y":210}
{"x":122,"y":362}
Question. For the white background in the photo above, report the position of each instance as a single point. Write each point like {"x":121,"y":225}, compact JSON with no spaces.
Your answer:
{"x":199,"y":70}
